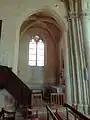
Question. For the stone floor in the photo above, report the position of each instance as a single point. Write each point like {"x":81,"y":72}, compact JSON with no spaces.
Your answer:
{"x":42,"y":113}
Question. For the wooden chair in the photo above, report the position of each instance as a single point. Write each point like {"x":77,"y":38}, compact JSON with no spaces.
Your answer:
{"x":33,"y":116}
{"x":8,"y":115}
{"x":36,"y":99}
{"x":58,"y":99}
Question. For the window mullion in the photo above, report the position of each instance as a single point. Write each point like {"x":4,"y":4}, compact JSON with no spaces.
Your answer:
{"x":36,"y":53}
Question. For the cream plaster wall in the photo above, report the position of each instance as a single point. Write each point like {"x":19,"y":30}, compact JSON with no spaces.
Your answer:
{"x":13,"y":13}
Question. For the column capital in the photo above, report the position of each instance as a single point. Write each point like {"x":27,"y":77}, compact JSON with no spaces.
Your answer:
{"x":85,"y":14}
{"x":72,"y":15}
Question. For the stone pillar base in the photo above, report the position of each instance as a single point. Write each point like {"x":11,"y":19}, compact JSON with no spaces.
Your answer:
{"x":80,"y":108}
{"x":88,"y":109}
{"x":83,"y":108}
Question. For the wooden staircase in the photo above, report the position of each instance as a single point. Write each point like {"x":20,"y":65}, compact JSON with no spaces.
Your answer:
{"x":10,"y":82}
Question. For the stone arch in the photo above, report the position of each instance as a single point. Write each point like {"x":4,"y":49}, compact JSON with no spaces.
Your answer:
{"x":44,"y":27}
{"x":50,"y":12}
{"x":24,"y":17}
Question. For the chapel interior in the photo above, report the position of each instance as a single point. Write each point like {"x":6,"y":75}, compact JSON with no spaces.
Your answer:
{"x":45,"y":60}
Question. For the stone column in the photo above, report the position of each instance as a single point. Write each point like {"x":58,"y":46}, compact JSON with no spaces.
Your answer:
{"x":77,"y":61}
{"x":84,"y":88}
{"x":86,"y":33}
{"x":77,"y":53}
{"x":80,"y":56}
{"x":71,"y":65}
{"x":67,"y":69}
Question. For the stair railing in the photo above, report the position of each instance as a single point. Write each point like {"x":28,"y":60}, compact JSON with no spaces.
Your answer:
{"x":50,"y":114}
{"x":77,"y":115}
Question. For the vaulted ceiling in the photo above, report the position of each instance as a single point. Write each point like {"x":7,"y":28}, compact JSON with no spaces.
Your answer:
{"x":44,"y":21}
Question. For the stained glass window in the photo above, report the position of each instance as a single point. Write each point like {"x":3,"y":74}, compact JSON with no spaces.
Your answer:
{"x":36,"y":52}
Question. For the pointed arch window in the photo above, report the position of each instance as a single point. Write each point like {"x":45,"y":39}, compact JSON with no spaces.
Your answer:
{"x":36,"y":52}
